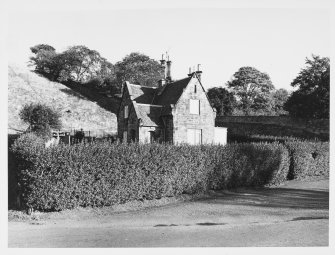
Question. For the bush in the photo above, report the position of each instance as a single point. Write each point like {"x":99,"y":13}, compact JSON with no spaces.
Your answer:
{"x":104,"y":173}
{"x":243,"y":165}
{"x":263,"y":138}
{"x":22,"y":154}
{"x":41,"y":118}
{"x":308,"y":159}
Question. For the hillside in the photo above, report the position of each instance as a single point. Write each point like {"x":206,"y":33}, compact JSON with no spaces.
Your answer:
{"x":76,"y":110}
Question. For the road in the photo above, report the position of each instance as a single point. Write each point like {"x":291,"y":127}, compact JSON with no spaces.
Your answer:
{"x":295,"y":214}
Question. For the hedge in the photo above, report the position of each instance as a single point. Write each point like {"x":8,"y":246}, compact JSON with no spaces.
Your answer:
{"x":308,"y":159}
{"x":104,"y":173}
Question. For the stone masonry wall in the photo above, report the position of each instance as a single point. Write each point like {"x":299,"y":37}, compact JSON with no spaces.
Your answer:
{"x":127,"y":124}
{"x":275,"y":126}
{"x":184,"y":120}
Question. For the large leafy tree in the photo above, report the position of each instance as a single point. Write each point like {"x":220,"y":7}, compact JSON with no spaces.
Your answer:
{"x":222,"y":100}
{"x":252,"y":90}
{"x":77,"y":63}
{"x":82,"y":64}
{"x":46,"y":61}
{"x":138,"y":68}
{"x":279,"y":98}
{"x":311,"y":99}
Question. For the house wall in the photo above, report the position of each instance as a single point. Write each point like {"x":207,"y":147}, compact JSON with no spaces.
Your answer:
{"x":183,"y":119}
{"x":127,"y":124}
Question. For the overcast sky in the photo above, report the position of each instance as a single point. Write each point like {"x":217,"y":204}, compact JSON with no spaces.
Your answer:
{"x":222,"y":40}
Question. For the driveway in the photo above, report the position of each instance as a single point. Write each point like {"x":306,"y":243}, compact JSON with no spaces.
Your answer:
{"x":294,"y":214}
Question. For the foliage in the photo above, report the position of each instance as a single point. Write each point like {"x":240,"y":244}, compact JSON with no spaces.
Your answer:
{"x":138,"y":68}
{"x":312,"y":97}
{"x":222,"y":100}
{"x":46,"y":61}
{"x":308,"y":159}
{"x":37,"y":48}
{"x":77,"y":63}
{"x":279,"y":98}
{"x":79,"y":134}
{"x":104,"y":173}
{"x":262,"y":138}
{"x":252,"y":90}
{"x":41,"y":118}
{"x":82,"y":64}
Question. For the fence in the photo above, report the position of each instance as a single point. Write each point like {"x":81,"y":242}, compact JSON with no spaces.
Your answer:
{"x":83,"y":136}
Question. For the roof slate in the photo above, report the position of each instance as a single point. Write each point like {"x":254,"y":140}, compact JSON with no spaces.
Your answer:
{"x":172,"y":92}
{"x":149,"y":114}
{"x":151,"y":105}
{"x":142,"y":94}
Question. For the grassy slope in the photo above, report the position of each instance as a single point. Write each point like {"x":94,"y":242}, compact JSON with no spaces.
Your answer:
{"x":77,"y":112}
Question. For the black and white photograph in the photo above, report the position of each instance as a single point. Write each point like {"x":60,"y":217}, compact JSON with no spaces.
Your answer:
{"x":158,"y":124}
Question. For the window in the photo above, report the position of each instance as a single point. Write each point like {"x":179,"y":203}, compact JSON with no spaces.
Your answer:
{"x":126,"y":112}
{"x":195,"y":88}
{"x":194,"y":106}
{"x":194,"y":136}
{"x":124,"y":136}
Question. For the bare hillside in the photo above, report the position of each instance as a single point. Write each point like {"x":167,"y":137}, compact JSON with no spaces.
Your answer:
{"x":77,"y":111}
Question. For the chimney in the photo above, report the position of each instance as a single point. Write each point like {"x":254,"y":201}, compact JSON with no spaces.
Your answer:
{"x":168,"y":69}
{"x":199,"y":72}
{"x":190,"y":73}
{"x":163,"y":65}
{"x":161,"y":83}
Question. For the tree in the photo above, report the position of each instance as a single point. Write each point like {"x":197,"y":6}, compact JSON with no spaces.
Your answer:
{"x":41,"y":118}
{"x":77,"y":63}
{"x":46,"y":61}
{"x":279,"y":98}
{"x":82,"y":64}
{"x":252,"y":90}
{"x":311,"y":99}
{"x":138,"y":68}
{"x":37,"y":48}
{"x":222,"y":100}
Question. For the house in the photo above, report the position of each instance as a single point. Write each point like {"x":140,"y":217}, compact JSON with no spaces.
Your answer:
{"x":174,"y":111}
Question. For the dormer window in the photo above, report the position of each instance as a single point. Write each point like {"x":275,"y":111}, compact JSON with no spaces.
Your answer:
{"x":126,"y":112}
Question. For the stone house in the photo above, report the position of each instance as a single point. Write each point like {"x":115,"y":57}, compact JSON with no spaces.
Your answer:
{"x":176,"y":112}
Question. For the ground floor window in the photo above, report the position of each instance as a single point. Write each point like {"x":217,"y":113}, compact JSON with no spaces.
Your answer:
{"x":194,"y":136}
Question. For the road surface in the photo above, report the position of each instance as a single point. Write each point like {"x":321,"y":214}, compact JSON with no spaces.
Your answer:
{"x":295,"y":214}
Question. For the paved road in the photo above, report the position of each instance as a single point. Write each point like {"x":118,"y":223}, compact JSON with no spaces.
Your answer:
{"x":295,"y":214}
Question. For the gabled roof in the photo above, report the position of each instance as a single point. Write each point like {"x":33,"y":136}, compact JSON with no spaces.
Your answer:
{"x":172,"y":92}
{"x":141,"y":94}
{"x":149,"y":114}
{"x":150,"y":103}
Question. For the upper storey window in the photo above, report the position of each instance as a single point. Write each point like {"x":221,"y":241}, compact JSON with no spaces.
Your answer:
{"x":194,"y":106}
{"x":126,"y":112}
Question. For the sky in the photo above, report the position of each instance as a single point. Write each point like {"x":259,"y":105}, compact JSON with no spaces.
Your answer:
{"x":273,"y":40}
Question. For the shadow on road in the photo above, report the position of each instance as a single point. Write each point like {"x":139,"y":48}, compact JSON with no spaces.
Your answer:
{"x":273,"y":197}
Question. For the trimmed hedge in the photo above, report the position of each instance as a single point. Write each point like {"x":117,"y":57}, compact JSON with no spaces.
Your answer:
{"x":308,"y":159}
{"x":104,"y":173}
{"x":243,"y":165}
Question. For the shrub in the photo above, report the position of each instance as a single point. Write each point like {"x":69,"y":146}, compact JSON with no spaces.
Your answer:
{"x":308,"y":159}
{"x":79,"y":134}
{"x":104,"y":173}
{"x":242,"y":165}
{"x":41,"y":118}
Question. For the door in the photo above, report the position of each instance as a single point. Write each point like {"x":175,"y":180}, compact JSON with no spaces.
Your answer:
{"x":194,"y":136}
